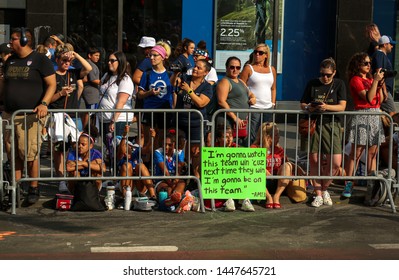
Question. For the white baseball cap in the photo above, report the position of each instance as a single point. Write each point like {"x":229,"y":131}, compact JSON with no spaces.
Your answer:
{"x":147,"y":42}
{"x":386,"y":40}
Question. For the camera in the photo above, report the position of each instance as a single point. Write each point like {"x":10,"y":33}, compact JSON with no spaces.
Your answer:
{"x":177,"y":67}
{"x":388,"y":73}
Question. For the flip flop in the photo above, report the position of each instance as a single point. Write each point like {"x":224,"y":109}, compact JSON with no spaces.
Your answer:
{"x":276,"y":205}
{"x":269,"y":205}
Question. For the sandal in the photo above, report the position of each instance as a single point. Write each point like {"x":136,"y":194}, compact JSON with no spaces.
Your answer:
{"x":269,"y":205}
{"x":276,"y":205}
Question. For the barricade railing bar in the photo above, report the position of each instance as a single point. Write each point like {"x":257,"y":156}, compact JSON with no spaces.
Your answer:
{"x":47,"y":173}
{"x":292,"y":142}
{"x":295,"y":146}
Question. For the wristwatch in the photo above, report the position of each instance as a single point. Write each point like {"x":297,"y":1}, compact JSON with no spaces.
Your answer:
{"x":44,"y":103}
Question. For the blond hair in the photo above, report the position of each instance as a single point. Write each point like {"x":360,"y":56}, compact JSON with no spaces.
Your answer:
{"x":166,"y":47}
{"x":267,"y":51}
{"x":265,"y":133}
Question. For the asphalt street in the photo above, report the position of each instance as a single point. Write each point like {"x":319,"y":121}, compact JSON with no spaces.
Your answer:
{"x":346,"y":230}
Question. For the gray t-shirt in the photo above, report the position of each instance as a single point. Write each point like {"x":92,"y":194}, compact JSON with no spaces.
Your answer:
{"x":91,"y":93}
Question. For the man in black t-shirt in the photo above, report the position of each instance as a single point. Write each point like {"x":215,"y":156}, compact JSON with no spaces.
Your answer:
{"x":29,"y":85}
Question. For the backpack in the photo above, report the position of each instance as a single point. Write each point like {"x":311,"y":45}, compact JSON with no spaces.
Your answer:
{"x":376,"y":193}
{"x":87,"y":197}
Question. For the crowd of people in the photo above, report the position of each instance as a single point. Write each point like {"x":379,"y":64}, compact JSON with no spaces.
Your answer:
{"x":57,"y":77}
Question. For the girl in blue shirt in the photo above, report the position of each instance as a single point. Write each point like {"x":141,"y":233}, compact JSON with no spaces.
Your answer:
{"x":167,"y":162}
{"x":85,"y":161}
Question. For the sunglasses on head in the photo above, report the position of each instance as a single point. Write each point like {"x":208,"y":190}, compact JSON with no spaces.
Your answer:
{"x":259,"y":52}
{"x":328,"y":75}
{"x":232,"y":67}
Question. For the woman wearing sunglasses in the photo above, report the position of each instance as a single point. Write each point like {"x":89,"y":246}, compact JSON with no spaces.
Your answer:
{"x":67,"y":96}
{"x":260,"y":78}
{"x":117,"y":91}
{"x":325,"y":94}
{"x":367,"y":93}
{"x":232,"y":93}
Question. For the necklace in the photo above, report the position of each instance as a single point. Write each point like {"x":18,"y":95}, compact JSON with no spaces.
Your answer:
{"x":64,"y":78}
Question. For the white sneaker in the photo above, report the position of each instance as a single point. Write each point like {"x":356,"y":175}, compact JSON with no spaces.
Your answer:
{"x":247,"y":206}
{"x":317,"y":202}
{"x":63,"y":188}
{"x":229,"y":205}
{"x":327,"y":198}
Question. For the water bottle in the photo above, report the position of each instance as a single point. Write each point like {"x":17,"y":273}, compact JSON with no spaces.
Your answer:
{"x":128,"y":198}
{"x":162,"y":195}
{"x":110,"y":199}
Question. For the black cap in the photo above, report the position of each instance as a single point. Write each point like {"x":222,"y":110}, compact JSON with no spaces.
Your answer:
{"x":4,"y":48}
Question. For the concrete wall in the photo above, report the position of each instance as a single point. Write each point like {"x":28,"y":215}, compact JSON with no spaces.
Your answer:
{"x":45,"y":13}
{"x":350,"y":30}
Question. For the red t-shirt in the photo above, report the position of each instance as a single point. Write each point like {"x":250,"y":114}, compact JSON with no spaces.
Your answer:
{"x":273,"y":160}
{"x":358,"y":84}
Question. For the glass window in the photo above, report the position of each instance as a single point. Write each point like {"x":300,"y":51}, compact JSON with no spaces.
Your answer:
{"x":94,"y":23}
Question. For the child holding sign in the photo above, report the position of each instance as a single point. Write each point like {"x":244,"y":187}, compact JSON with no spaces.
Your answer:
{"x":224,"y":138}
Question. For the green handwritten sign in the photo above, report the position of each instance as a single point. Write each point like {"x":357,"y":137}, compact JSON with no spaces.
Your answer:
{"x":235,"y":173}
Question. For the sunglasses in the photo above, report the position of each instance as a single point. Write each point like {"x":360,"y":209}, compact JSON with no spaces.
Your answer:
{"x":65,"y":60}
{"x":328,"y":75}
{"x":232,"y":67}
{"x":366,"y":63}
{"x":154,"y":55}
{"x":112,"y":60}
{"x":259,"y":52}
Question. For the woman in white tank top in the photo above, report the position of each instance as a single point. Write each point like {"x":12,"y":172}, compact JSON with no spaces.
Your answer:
{"x":260,"y":78}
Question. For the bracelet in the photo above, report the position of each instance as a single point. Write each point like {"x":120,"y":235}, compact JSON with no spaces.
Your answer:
{"x":190,"y":91}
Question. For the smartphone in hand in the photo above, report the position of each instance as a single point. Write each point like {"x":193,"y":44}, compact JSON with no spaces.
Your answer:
{"x":316,"y":103}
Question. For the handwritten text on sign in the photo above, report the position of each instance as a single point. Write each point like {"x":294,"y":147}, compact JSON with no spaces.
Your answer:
{"x":236,"y":173}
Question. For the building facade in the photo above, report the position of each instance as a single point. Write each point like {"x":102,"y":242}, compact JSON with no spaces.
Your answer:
{"x":303,"y":31}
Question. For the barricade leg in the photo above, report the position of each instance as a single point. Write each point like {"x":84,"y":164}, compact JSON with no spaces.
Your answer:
{"x":388,"y":184}
{"x":13,"y":200}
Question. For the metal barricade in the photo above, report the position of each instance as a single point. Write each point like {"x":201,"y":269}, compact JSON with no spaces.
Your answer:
{"x":47,"y":171}
{"x":297,"y":147}
{"x":286,"y":120}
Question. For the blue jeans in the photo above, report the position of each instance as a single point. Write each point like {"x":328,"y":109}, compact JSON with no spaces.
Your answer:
{"x":256,"y":120}
{"x":119,"y":129}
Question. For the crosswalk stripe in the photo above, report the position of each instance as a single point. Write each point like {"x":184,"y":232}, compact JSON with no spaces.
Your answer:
{"x":385,"y":246}
{"x":134,"y":249}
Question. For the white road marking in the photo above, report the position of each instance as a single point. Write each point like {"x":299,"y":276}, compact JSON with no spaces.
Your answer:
{"x":134,"y":249}
{"x":385,"y":246}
